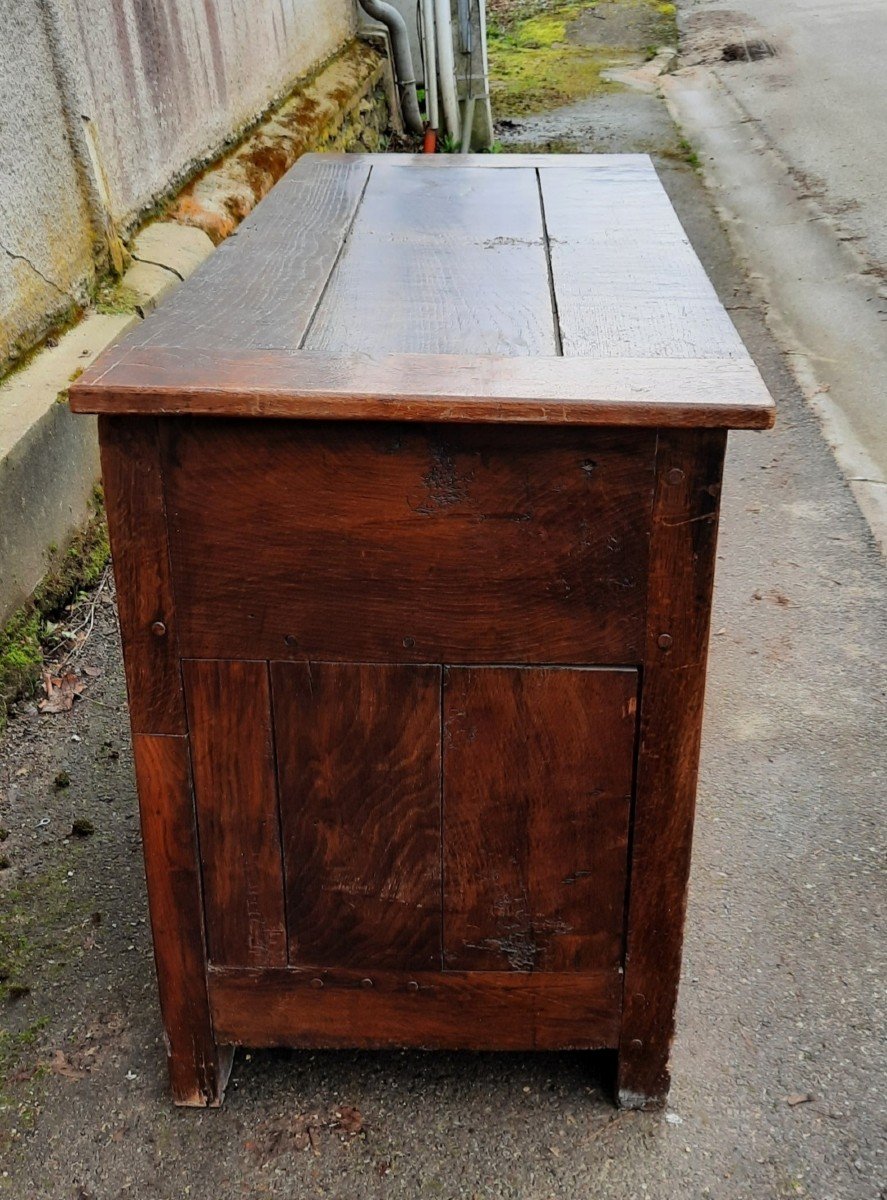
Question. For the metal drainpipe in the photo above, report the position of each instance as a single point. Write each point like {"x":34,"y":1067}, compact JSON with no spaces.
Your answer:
{"x":403,"y":60}
{"x":447,"y":63}
{"x":429,"y":49}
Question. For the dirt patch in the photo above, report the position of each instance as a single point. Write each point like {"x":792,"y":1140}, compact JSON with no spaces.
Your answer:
{"x":722,"y":36}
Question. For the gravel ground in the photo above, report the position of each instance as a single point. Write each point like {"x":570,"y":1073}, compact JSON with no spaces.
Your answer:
{"x":778,"y":1064}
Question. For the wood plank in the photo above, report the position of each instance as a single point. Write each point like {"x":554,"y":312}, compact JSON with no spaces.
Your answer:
{"x":537,"y":791}
{"x":261,"y":286}
{"x":232,"y":752}
{"x":650,"y":392}
{"x":449,"y":262}
{"x":682,"y":566}
{"x":434,"y":1010}
{"x":626,"y":278}
{"x":629,"y":165}
{"x":358,"y":749}
{"x":369,"y":543}
{"x":133,"y":483}
{"x":198,"y":1068}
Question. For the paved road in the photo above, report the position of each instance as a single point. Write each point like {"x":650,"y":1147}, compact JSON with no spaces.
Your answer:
{"x":822,"y":99}
{"x":794,"y":146}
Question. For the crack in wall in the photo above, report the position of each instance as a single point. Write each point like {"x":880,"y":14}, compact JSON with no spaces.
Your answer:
{"x":24,"y":258}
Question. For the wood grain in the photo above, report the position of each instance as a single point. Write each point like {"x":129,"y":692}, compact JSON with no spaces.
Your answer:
{"x":417,"y":288}
{"x":369,"y":543}
{"x":650,"y":392}
{"x":359,"y":761}
{"x":447,"y":1011}
{"x":627,"y":280}
{"x":452,"y":262}
{"x":198,"y":1068}
{"x":262,"y":285}
{"x":133,"y":482}
{"x":625,"y":165}
{"x":682,"y":565}
{"x":232,"y":752}
{"x":537,"y":789}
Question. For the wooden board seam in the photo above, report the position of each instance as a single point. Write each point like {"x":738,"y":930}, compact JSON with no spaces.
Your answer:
{"x":338,"y":258}
{"x":546,"y":241}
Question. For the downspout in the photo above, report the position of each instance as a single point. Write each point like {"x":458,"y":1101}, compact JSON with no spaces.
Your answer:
{"x":447,"y":61}
{"x":403,"y":60}
{"x":429,"y":49}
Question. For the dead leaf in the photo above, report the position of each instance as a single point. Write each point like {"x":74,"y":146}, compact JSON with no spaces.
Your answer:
{"x":348,"y":1120}
{"x":60,"y":1064}
{"x":60,"y":692}
{"x":92,"y":672}
{"x":797,"y":1098}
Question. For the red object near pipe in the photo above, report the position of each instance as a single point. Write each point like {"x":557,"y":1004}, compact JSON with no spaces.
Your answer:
{"x":429,"y":145}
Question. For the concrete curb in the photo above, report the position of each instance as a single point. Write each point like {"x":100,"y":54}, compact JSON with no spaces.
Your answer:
{"x":821,"y":306}
{"x":48,"y":457}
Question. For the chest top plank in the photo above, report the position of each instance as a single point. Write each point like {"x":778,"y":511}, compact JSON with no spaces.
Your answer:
{"x":516,"y":288}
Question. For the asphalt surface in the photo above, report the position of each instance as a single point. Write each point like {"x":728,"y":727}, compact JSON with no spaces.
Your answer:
{"x":785,"y":106}
{"x":820,"y":97}
{"x":779,"y":1060}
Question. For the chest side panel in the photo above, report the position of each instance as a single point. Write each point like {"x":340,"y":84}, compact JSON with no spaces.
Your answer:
{"x":352,"y":542}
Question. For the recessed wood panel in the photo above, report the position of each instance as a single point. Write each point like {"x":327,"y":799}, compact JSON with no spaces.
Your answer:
{"x":353,"y":542}
{"x":229,"y":719}
{"x":358,"y":748}
{"x":537,"y":793}
{"x":457,"y":266}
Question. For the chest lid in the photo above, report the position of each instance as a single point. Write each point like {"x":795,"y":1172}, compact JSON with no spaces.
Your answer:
{"x":539,"y":289}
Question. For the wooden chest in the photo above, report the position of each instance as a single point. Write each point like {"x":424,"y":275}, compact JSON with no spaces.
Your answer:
{"x":413,"y":494}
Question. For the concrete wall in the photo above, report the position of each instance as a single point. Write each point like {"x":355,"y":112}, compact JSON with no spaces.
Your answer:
{"x":108,"y":103}
{"x":46,"y":232}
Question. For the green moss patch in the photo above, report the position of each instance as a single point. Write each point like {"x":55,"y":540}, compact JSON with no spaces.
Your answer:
{"x":533,"y":66}
{"x":22,"y":637}
{"x":113,"y":299}
{"x":545,"y":55}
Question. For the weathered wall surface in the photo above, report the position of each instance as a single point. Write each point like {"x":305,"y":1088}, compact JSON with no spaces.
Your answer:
{"x":107,"y":104}
{"x":45,"y":225}
{"x":162,"y":81}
